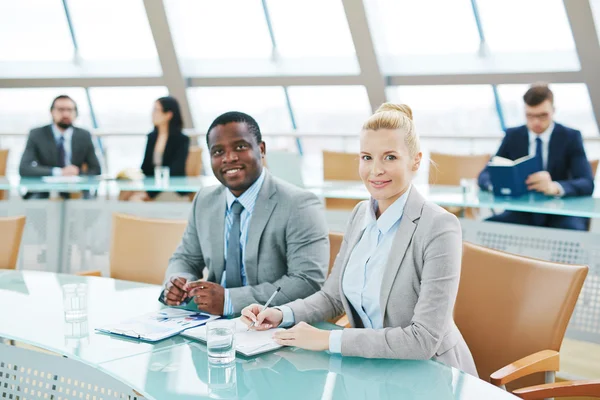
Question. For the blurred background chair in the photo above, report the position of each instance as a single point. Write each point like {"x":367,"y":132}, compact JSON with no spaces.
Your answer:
{"x":11,"y":233}
{"x":340,"y":167}
{"x":141,"y":248}
{"x":3,"y":162}
{"x":449,"y":169}
{"x":571,"y":389}
{"x":513,"y":312}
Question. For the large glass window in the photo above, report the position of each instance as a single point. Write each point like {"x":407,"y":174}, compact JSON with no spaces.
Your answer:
{"x":450,"y":110}
{"x":125,"y":109}
{"x":338,"y":109}
{"x":265,"y":104}
{"x":596,"y":12}
{"x":112,"y":30}
{"x":34,"y":30}
{"x":522,"y":26}
{"x":409,"y":34}
{"x":300,"y":31}
{"x":231,"y":37}
{"x":24,"y":109}
{"x":571,"y":100}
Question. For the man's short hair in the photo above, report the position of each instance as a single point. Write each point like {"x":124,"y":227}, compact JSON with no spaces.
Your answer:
{"x":62,"y":96}
{"x":236,"y":116}
{"x":537,"y":94}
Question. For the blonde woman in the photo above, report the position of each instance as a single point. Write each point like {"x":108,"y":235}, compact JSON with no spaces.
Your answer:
{"x":396,"y":275}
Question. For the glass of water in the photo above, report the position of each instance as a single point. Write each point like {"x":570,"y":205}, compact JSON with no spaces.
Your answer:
{"x":162,"y":175}
{"x":75,"y":301}
{"x":220,"y":341}
{"x":222,"y":382}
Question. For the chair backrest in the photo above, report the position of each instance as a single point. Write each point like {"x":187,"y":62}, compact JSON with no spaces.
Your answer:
{"x":593,"y":164}
{"x":193,"y":164}
{"x":340,"y":167}
{"x":11,"y":233}
{"x":285,"y":165}
{"x":509,"y":306}
{"x":140,"y":247}
{"x":3,"y":163}
{"x":448,"y":169}
{"x":335,"y":243}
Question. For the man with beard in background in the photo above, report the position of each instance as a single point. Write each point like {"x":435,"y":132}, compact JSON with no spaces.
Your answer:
{"x":59,"y":149}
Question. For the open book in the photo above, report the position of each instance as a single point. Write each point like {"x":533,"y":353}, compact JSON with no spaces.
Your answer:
{"x":247,"y":342}
{"x":508,"y":176}
{"x":158,"y":325}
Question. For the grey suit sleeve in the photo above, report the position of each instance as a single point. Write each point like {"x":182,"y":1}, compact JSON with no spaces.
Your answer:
{"x":29,"y":165}
{"x":421,"y":339}
{"x":327,"y":303}
{"x":307,"y":240}
{"x":187,"y":260}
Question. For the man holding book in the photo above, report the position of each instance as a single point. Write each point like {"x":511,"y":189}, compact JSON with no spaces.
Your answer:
{"x":563,"y":167}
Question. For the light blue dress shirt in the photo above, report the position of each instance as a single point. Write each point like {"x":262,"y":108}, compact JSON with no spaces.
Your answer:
{"x":248,"y":200}
{"x":68,"y":135}
{"x":361,"y":283}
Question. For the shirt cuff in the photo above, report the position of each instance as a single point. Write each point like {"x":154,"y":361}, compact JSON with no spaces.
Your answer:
{"x":288,"y":317}
{"x":335,"y":342}
{"x":227,"y":305}
{"x":561,"y":190}
{"x":56,"y":171}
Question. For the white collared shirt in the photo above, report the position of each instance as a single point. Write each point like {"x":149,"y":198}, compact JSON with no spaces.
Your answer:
{"x":545,"y":136}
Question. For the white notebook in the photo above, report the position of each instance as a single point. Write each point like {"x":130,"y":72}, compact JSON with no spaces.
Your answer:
{"x":63,"y":179}
{"x":247,"y":342}
{"x":158,"y":325}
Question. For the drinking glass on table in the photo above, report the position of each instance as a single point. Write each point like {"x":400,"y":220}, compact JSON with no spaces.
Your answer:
{"x":220,"y":341}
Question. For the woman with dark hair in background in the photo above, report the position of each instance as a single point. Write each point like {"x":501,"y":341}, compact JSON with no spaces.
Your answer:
{"x":167,"y":146}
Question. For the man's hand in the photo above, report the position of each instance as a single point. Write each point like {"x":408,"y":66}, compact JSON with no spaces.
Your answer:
{"x":70,"y":170}
{"x":208,"y":296}
{"x":174,"y":291}
{"x":542,"y":182}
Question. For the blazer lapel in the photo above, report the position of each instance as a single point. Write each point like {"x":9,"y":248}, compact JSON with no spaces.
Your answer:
{"x":412,"y":212}
{"x":216,"y":208}
{"x":265,"y":204}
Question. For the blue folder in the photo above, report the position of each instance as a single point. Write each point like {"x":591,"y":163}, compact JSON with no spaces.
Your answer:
{"x":509,"y":180}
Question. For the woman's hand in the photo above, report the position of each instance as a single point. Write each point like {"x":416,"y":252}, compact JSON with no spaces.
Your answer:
{"x":270,"y":318}
{"x":304,"y":336}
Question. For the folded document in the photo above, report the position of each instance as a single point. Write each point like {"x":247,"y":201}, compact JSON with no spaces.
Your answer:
{"x":247,"y":342}
{"x":158,"y":325}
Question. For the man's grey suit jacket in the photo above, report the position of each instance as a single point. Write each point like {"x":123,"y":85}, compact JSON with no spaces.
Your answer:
{"x":288,"y":244}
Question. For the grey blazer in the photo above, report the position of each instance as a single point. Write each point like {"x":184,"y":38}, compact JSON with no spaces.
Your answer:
{"x":288,"y":243}
{"x":418,"y":292}
{"x":41,"y":153}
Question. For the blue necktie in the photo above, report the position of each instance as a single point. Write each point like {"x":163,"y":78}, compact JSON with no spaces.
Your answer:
{"x":61,"y":152}
{"x":233,"y":264}
{"x":538,"y":154}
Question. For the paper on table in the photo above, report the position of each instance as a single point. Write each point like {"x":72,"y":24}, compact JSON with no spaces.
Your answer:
{"x":158,"y":325}
{"x":62,"y":179}
{"x":247,"y":342}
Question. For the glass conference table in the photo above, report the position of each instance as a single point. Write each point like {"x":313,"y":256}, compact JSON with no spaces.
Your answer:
{"x":447,"y":196}
{"x":33,"y":314}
